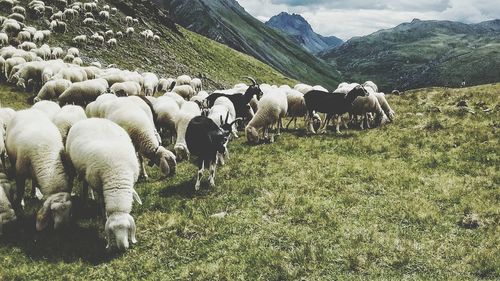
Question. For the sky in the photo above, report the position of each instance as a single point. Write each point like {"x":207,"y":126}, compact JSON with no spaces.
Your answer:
{"x":349,"y":18}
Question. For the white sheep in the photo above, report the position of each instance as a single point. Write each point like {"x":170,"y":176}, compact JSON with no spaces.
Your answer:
{"x":273,"y":107}
{"x":129,"y":20}
{"x":369,"y":104}
{"x":104,"y":16}
{"x":57,"y":53}
{"x":156,"y":38}
{"x":166,"y":110}
{"x":24,"y":36}
{"x":370,"y":84}
{"x":183,"y":80}
{"x":89,"y":21}
{"x":185,"y":91}
{"x":4,"y":39}
{"x":129,"y":31}
{"x":139,"y":124}
{"x":78,"y":61}
{"x":197,"y":84}
{"x":80,"y":39}
{"x":187,"y":112}
{"x":102,"y":152}
{"x":112,"y":42}
{"x":73,"y":51}
{"x":38,"y":37}
{"x":165,"y":84}
{"x":150,"y":83}
{"x":176,"y":97}
{"x":52,"y":89}
{"x":35,"y":147}
{"x":66,"y":117}
{"x":303,"y":88}
{"x":72,"y":73}
{"x":84,"y":92}
{"x":19,"y":9}
{"x":49,"y":108}
{"x":128,"y":88}
{"x":6,"y":115}
{"x":385,"y":105}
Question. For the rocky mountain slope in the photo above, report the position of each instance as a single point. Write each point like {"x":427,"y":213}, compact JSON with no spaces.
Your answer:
{"x":302,"y":33}
{"x":422,"y":53}
{"x":227,"y":22}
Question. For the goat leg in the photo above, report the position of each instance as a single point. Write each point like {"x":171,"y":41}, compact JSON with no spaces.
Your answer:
{"x":199,"y":176}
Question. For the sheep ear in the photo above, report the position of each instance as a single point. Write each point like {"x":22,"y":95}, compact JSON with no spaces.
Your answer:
{"x":132,"y":229}
{"x":136,"y":197}
{"x":43,"y":216}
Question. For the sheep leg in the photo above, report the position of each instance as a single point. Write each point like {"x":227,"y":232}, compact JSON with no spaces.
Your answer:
{"x":211,"y":177}
{"x":143,"y":173}
{"x":200,"y":174}
{"x":337,"y":128}
{"x":20,"y":181}
{"x":85,"y":192}
{"x":367,"y":121}
{"x":309,"y":125}
{"x":289,"y":122}
{"x":280,"y":125}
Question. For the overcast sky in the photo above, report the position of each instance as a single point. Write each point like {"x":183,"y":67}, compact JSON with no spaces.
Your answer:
{"x":348,"y":18}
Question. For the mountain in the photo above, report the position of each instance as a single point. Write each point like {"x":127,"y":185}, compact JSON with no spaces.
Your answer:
{"x":422,"y":53}
{"x":302,"y":33}
{"x":179,"y":51}
{"x":227,"y":22}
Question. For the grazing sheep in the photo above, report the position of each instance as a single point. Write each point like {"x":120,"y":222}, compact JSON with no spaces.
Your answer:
{"x":156,"y":38}
{"x":68,"y":58}
{"x":102,"y":152}
{"x":24,"y":36}
{"x":119,"y":34}
{"x":89,"y":21}
{"x":49,"y":108}
{"x":129,"y":31}
{"x":58,"y":26}
{"x":114,"y":11}
{"x":97,"y":38}
{"x":176,"y":97}
{"x":35,"y":148}
{"x":52,"y":89}
{"x":84,"y":92}
{"x":17,"y":16}
{"x":11,"y":27}
{"x":187,"y":112}
{"x":77,"y":61}
{"x":57,"y":53}
{"x":273,"y":107}
{"x":80,"y":40}
{"x":296,"y":106}
{"x":6,"y":115}
{"x":185,"y":91}
{"x":128,"y":88}
{"x":4,"y":39}
{"x":38,"y":37}
{"x":104,"y":16}
{"x":165,"y":84}
{"x":11,"y":63}
{"x":67,"y":117}
{"x":368,"y":104}
{"x":385,"y":105}
{"x":197,"y":84}
{"x":370,"y":84}
{"x":303,"y":88}
{"x":151,"y":84}
{"x":73,"y":74}
{"x":73,"y":51}
{"x":109,"y":33}
{"x":112,"y":42}
{"x":166,"y":110}
{"x":225,"y":108}
{"x":19,"y":9}
{"x":27,"y":46}
{"x":141,"y":128}
{"x":183,"y":80}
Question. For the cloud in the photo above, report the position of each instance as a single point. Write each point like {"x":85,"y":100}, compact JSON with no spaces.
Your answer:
{"x":349,"y":18}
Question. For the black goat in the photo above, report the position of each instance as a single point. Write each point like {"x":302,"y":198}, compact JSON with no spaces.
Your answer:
{"x":205,"y":139}
{"x":331,"y":104}
{"x":240,"y":101}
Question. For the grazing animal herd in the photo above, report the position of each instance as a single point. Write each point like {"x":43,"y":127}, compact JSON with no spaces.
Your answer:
{"x":99,"y":125}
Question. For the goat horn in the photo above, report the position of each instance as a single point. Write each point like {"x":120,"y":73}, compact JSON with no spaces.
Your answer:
{"x":221,"y":121}
{"x":236,"y":120}
{"x":227,"y":117}
{"x":251,"y":79}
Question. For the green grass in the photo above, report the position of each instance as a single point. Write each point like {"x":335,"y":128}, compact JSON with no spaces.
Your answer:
{"x":388,"y":203}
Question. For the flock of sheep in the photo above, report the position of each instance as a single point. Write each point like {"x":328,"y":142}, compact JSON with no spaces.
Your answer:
{"x":112,"y":120}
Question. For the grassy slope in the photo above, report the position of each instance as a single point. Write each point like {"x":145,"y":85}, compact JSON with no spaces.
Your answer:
{"x":188,"y":53}
{"x":420,"y":54}
{"x":384,"y":203}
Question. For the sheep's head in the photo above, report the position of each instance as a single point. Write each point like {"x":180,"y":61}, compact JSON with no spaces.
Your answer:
{"x":120,"y":227}
{"x":358,"y":91}
{"x":391,"y":115}
{"x":56,"y":209}
{"x":21,"y":83}
{"x":252,"y":135}
{"x":166,"y":160}
{"x":181,"y":152}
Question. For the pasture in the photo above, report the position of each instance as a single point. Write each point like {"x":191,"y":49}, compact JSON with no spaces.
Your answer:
{"x":416,"y":199}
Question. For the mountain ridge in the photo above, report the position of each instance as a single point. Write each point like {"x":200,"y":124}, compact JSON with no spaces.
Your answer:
{"x":422,"y":53}
{"x":295,"y":26}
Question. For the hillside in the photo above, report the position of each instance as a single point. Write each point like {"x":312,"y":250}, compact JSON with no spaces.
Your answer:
{"x":416,"y":199}
{"x":302,"y":33}
{"x":422,"y":53}
{"x":227,"y":22}
{"x":179,"y":52}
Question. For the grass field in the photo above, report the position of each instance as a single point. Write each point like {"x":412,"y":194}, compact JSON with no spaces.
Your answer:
{"x":417,"y":199}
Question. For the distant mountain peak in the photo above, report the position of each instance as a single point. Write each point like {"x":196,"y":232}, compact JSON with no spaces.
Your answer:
{"x":297,"y":27}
